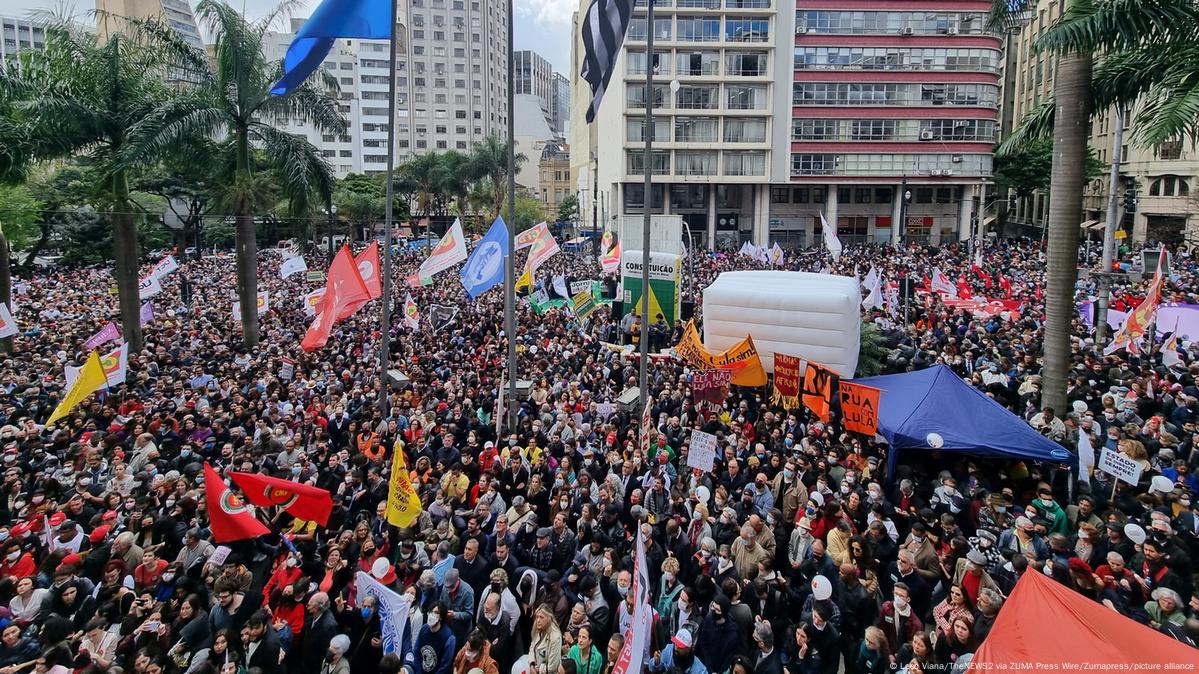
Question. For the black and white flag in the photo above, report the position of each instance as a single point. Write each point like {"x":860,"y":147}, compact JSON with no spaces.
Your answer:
{"x":441,"y":316}
{"x":604,"y":27}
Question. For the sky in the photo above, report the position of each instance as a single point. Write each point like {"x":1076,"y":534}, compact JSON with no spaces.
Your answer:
{"x":541,"y":25}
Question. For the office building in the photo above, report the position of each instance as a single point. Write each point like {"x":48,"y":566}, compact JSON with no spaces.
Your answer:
{"x":20,"y":35}
{"x":720,"y":123}
{"x":176,"y":13}
{"x":559,"y":103}
{"x":451,"y":84}
{"x":894,"y":118}
{"x":534,"y":75}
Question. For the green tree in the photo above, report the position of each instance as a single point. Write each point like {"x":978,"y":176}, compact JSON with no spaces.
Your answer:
{"x":1027,"y":168}
{"x":489,"y":157}
{"x":568,"y":208}
{"x":872,"y":351}
{"x":234,"y":100}
{"x":360,"y":202}
{"x":19,"y":211}
{"x":527,"y":213}
{"x":78,"y":97}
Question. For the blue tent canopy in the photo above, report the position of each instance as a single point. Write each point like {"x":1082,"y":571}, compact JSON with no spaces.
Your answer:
{"x":914,"y":405}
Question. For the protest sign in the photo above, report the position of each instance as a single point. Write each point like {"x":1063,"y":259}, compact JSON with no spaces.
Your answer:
{"x":702,"y":454}
{"x":1120,"y":466}
{"x":859,"y":408}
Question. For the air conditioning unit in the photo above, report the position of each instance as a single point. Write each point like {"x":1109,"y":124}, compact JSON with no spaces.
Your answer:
{"x":957,"y":159}
{"x":947,"y":173}
{"x":907,"y":30}
{"x":934,"y":172}
{"x":953,"y":30}
{"x":926,"y":134}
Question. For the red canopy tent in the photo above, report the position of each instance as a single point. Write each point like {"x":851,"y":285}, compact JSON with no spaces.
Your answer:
{"x":1044,"y":622}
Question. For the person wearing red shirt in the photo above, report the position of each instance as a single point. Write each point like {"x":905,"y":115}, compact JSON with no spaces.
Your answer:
{"x":149,"y":572}
{"x":287,"y":571}
{"x":17,"y":564}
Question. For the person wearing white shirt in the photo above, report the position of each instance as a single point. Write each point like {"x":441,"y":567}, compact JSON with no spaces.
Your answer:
{"x":28,"y":600}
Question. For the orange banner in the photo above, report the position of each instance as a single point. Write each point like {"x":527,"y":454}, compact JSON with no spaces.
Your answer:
{"x":819,"y":383}
{"x":742,"y":358}
{"x":859,"y":408}
{"x":786,"y":381}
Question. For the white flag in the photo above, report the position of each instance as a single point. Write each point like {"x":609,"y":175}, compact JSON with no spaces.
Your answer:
{"x":830,"y":237}
{"x":116,"y":367}
{"x":411,"y":313}
{"x":292,"y":265}
{"x":392,"y":608}
{"x":8,"y":326}
{"x":560,"y":286}
{"x":449,"y":251}
{"x":165,"y":266}
{"x":871,"y":277}
{"x":148,"y":287}
{"x":874,"y":299}
{"x":942,"y":284}
{"x":1086,"y":457}
{"x":310,"y":301}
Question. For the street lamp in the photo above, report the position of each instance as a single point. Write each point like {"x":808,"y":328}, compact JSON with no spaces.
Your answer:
{"x":903,"y":213}
{"x":332,"y":211}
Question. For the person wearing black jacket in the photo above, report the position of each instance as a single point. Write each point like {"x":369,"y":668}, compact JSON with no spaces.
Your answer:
{"x":320,"y":626}
{"x":261,"y":643}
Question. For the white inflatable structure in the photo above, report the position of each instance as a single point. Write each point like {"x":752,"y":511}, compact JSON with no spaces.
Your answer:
{"x":813,"y":316}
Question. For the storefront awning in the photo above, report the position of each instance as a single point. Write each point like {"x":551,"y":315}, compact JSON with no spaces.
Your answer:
{"x":989,"y":220}
{"x":1087,"y":224}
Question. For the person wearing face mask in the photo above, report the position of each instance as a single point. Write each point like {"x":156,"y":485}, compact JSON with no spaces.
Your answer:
{"x":498,"y":586}
{"x":336,"y":660}
{"x":16,"y":563}
{"x":669,"y":586}
{"x":718,"y":640}
{"x":896,"y":618}
{"x":1048,"y":509}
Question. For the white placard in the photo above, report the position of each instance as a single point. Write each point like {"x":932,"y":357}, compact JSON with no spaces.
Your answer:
{"x":702,"y":454}
{"x":604,"y":410}
{"x":1119,"y":466}
{"x":219,"y":555}
{"x":577,"y":287}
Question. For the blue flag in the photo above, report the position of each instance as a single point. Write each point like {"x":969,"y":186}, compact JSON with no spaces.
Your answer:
{"x":363,"y":19}
{"x":485,"y":268}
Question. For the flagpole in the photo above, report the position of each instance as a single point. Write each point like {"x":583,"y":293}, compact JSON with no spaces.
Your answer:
{"x":647,"y":200}
{"x":385,"y":305}
{"x":509,"y":269}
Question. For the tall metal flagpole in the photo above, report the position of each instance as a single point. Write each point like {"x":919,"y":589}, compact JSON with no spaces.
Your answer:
{"x":385,"y":305}
{"x":509,"y":269}
{"x":647,"y":201}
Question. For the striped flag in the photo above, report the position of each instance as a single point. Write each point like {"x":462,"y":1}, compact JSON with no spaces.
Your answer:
{"x":604,"y":27}
{"x":1136,"y":324}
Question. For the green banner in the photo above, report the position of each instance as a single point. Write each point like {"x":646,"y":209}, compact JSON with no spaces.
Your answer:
{"x":664,"y":286}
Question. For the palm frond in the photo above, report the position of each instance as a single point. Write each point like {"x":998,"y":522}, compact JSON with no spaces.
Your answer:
{"x":301,"y":168}
{"x":1036,"y":125}
{"x":172,"y":125}
{"x":1112,"y":25}
{"x":306,"y":105}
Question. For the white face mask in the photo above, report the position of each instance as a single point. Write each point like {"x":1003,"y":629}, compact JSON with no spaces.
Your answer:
{"x":14,"y":556}
{"x":434,"y":619}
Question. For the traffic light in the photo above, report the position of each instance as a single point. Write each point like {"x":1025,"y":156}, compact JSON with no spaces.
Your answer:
{"x":1130,"y":200}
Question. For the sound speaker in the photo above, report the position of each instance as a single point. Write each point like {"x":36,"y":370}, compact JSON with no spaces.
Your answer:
{"x":397,"y":379}
{"x":617,"y":308}
{"x":628,"y":400}
{"x":687,"y":311}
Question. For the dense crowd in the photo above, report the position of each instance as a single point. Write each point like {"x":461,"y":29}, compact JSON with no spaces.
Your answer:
{"x":794,"y":554}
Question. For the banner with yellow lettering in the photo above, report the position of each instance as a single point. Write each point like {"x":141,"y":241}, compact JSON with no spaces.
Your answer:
{"x":819,"y":384}
{"x":403,"y":504}
{"x":786,"y":381}
{"x":742,"y":358}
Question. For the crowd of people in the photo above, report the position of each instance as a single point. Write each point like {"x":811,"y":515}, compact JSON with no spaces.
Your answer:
{"x":794,"y":554}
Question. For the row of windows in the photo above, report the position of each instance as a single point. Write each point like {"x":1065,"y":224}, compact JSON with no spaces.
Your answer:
{"x":895,"y":58}
{"x":699,"y":130}
{"x":842,"y":93}
{"x":700,"y":163}
{"x":702,"y":29}
{"x":701,"y":96}
{"x":701,"y":63}
{"x":921,"y":23}
{"x":1169,"y":186}
{"x":894,"y":129}
{"x":869,"y":164}
{"x":709,"y":4}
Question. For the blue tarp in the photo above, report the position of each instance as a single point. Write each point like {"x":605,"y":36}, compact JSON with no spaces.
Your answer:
{"x":915,"y":404}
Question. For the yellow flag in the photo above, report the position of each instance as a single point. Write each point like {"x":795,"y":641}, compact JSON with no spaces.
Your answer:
{"x":403,"y":505}
{"x":91,"y":379}
{"x":525,"y":281}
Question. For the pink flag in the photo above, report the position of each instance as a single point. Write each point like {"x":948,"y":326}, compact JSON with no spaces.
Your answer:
{"x":107,"y":334}
{"x":147,"y":313}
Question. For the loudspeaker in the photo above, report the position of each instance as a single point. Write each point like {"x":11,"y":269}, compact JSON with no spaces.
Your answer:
{"x":907,"y":286}
{"x":628,"y":400}
{"x":617,"y":308}
{"x":687,"y":311}
{"x":397,"y":379}
{"x":523,"y":386}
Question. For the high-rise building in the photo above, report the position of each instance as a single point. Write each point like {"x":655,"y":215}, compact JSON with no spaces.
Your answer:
{"x":532,"y":75}
{"x":20,"y":35}
{"x":176,"y":13}
{"x":720,"y":123}
{"x":895,"y":107}
{"x":559,"y":103}
{"x":451,"y":84}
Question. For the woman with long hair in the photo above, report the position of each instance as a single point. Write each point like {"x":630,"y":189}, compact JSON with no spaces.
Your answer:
{"x":545,"y":642}
{"x":957,"y":641}
{"x":955,"y":605}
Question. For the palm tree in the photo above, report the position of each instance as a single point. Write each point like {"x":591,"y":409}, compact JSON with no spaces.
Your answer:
{"x":422,"y":172}
{"x":1119,"y":33}
{"x":78,"y":97}
{"x":233,"y":101}
{"x":490,"y":159}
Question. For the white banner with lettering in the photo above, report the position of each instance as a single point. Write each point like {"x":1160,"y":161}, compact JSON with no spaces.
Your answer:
{"x":392,"y":607}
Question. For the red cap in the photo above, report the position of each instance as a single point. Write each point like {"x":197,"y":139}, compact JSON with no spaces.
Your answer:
{"x":99,"y":534}
{"x":73,"y":559}
{"x":611,"y":436}
{"x":109,"y":515}
{"x":1079,"y":566}
{"x":18,"y":529}
{"x":57,"y":519}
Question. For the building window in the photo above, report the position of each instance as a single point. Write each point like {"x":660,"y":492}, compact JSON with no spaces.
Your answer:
{"x":746,"y":30}
{"x":1169,"y":186}
{"x":744,"y":163}
{"x":813,"y":164}
{"x":780,"y":195}
{"x":698,"y":97}
{"x":813,"y":129}
{"x":696,"y":130}
{"x":635,"y":130}
{"x":745,"y":97}
{"x":636,"y":162}
{"x":745,"y":130}
{"x":695,"y":29}
{"x":697,"y":63}
{"x":873,"y":129}
{"x":636,"y":95}
{"x":745,"y":64}
{"x":695,"y":163}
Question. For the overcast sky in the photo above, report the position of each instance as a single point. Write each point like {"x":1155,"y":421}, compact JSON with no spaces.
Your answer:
{"x":541,"y":25}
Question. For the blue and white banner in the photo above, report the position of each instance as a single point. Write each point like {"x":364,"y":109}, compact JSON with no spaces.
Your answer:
{"x":392,"y":607}
{"x":485,"y":268}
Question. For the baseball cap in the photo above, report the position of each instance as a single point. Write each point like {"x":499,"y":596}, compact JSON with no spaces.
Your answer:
{"x":682,"y":638}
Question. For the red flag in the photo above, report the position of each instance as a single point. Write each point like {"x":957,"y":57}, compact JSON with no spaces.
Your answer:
{"x":369,"y":269}
{"x":1006,"y":286}
{"x":230,"y":519}
{"x":344,"y":294}
{"x":982,"y":276}
{"x":964,"y":289}
{"x":301,"y":500}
